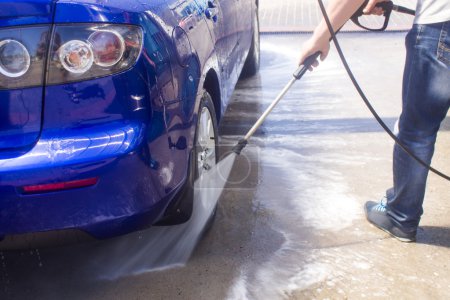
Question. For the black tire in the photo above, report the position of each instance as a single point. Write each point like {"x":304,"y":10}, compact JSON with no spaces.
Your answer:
{"x":207,"y":103}
{"x":251,"y":66}
{"x":180,"y":210}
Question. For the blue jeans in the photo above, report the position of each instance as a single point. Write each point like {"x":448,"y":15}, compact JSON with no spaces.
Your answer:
{"x":426,"y":100}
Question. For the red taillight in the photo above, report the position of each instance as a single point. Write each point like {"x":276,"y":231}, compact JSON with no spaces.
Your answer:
{"x":22,"y":55}
{"x":59,"y":186}
{"x":108,"y":47}
{"x":87,"y":51}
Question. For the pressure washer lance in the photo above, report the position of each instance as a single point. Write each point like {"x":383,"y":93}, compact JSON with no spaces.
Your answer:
{"x":296,"y":76}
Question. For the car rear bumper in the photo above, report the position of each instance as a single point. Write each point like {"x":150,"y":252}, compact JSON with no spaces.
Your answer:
{"x":125,"y":197}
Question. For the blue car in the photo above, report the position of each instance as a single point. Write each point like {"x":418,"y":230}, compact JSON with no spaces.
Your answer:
{"x":109,"y":109}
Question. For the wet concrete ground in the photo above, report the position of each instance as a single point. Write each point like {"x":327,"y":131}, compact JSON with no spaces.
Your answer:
{"x":290,"y":223}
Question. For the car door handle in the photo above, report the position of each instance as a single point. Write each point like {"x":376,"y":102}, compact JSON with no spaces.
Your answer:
{"x":211,"y":13}
{"x":212,"y":3}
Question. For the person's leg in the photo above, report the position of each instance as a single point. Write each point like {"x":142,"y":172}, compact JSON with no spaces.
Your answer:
{"x":426,"y":99}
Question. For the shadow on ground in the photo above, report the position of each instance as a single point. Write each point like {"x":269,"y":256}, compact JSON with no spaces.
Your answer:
{"x":435,"y":236}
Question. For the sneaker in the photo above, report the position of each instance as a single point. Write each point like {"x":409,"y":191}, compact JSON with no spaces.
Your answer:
{"x":377,"y":215}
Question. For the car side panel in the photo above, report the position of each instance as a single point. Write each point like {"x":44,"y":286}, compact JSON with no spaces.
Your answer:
{"x":24,"y":12}
{"x":247,"y":9}
{"x":20,"y":120}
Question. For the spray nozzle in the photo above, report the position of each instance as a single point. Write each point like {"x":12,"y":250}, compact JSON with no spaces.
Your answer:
{"x":240,"y":146}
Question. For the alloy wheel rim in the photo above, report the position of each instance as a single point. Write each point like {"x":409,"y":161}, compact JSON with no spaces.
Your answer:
{"x":206,"y":143}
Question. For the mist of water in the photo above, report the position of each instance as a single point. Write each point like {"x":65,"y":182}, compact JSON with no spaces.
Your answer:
{"x":161,"y":248}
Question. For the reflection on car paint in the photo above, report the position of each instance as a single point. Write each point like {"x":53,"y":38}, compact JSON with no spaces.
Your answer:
{"x":133,"y":129}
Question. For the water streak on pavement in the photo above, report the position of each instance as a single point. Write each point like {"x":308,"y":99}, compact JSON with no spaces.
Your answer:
{"x":298,"y":158}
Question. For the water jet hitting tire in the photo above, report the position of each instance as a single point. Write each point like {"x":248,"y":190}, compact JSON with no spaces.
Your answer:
{"x":203,"y":160}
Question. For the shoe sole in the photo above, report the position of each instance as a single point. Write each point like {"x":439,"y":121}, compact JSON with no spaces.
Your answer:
{"x":404,"y":240}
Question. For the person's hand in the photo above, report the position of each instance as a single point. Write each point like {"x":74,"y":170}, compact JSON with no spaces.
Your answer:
{"x":371,"y":8}
{"x":312,"y":46}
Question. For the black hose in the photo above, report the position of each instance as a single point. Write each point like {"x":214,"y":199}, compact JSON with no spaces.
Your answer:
{"x":367,"y":102}
{"x":404,"y":10}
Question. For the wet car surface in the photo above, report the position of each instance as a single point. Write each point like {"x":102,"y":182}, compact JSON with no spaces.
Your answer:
{"x":290,"y":223}
{"x":109,"y":109}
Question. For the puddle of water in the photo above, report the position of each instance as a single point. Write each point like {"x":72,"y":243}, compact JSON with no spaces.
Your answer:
{"x":288,"y":270}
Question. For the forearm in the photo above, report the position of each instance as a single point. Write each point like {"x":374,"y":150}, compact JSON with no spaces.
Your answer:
{"x":339,"y":11}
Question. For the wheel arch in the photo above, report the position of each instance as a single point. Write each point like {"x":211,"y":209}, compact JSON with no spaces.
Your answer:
{"x":212,"y":86}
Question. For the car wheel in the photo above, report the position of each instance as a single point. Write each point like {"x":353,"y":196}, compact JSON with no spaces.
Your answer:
{"x":252,"y":62}
{"x":206,"y":139}
{"x":203,"y":158}
{"x":207,"y":145}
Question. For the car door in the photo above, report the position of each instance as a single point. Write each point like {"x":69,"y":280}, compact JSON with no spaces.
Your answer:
{"x":192,"y":46}
{"x":221,"y":17}
{"x":244,"y":22}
